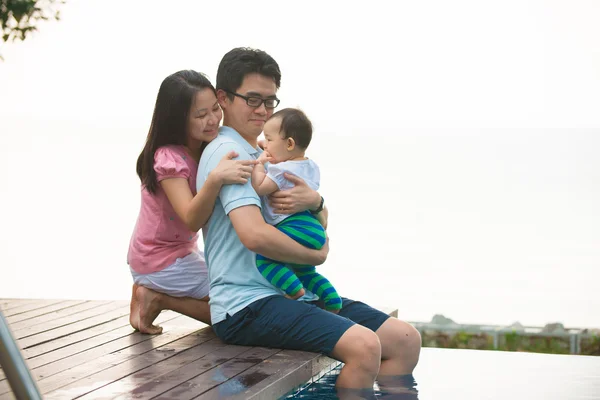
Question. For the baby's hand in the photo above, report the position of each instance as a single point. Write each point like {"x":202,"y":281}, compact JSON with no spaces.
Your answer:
{"x":265,"y":157}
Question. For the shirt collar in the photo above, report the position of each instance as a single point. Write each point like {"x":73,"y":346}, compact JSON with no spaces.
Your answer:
{"x":231,"y":133}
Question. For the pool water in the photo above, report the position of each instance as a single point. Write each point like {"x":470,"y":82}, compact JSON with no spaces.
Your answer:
{"x":324,"y":389}
{"x":478,"y":374}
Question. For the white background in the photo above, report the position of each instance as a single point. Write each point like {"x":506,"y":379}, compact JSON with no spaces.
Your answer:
{"x":458,"y":143}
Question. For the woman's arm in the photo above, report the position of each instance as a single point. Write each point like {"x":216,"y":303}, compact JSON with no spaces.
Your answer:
{"x":195,"y":211}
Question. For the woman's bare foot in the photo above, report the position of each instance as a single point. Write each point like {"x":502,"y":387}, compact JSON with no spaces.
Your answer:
{"x":134,"y":309}
{"x":149,"y":308}
{"x":298,"y":294}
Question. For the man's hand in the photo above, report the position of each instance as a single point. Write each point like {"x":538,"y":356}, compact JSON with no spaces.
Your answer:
{"x":297,"y":199}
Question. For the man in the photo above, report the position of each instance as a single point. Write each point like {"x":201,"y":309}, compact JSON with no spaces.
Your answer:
{"x":245,"y":308}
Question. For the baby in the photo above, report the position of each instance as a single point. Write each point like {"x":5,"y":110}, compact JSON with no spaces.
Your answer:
{"x":288,"y":133}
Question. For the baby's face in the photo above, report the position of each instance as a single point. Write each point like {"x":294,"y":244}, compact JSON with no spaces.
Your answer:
{"x":277,"y":145}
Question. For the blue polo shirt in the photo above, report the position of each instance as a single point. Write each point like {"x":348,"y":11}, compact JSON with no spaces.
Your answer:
{"x":235,"y":282}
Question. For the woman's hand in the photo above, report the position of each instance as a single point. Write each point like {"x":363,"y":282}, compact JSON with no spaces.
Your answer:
{"x":230,"y":171}
{"x":297,"y":199}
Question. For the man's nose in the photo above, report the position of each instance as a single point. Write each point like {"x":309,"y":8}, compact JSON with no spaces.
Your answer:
{"x":261,"y":109}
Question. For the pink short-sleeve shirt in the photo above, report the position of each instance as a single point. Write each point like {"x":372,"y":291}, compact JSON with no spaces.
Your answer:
{"x":160,"y":236}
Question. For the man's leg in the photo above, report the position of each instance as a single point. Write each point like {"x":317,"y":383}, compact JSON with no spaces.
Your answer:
{"x":360,"y":350}
{"x":400,"y":347}
{"x":279,"y":322}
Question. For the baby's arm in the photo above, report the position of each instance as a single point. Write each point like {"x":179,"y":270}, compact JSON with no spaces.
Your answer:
{"x":262,"y":184}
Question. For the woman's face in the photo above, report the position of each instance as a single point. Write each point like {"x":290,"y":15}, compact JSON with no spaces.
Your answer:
{"x":204,"y":118}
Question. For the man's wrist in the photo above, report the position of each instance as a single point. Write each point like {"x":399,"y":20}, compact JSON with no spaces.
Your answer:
{"x":316,"y":202}
{"x":319,"y":208}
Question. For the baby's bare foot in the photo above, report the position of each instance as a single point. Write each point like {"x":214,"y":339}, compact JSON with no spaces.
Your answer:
{"x":149,"y":308}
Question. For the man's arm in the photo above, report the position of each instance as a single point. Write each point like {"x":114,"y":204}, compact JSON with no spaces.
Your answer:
{"x":323,"y":216}
{"x":264,"y":239}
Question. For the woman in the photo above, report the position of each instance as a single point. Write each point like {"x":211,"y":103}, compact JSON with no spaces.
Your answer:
{"x":169,"y":272}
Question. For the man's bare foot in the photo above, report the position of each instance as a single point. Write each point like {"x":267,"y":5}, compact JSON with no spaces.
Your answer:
{"x":298,"y":294}
{"x":149,"y":308}
{"x":134,"y":309}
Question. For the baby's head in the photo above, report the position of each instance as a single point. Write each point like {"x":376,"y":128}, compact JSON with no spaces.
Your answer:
{"x":288,"y":133}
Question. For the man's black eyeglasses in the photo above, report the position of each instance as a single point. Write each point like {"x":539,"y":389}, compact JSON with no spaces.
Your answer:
{"x":256,"y":102}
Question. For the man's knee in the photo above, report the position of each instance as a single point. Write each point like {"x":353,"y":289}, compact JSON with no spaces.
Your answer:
{"x":359,"y":347}
{"x":399,"y":338}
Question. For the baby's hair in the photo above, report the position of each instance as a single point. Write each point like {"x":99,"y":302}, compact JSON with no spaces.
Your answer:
{"x":296,"y":125}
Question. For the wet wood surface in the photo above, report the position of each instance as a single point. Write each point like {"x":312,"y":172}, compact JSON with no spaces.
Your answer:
{"x":87,"y":349}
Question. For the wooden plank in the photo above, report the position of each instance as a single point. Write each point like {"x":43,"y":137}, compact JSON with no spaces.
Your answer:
{"x":216,"y":376}
{"x":50,"y":318}
{"x":81,"y":365}
{"x":182,"y":363}
{"x":32,"y":364}
{"x":270,"y":379}
{"x":93,"y":342}
{"x":90,"y":309}
{"x":44,"y":310}
{"x":99,"y":357}
{"x":277,"y":375}
{"x":7,"y":304}
{"x":28,"y":306}
{"x":170,"y":380}
{"x":76,"y":337}
{"x":81,"y":380}
{"x":65,"y":330}
{"x":89,"y":350}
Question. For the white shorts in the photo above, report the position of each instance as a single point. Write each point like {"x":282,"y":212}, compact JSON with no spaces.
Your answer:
{"x":186,"y":277}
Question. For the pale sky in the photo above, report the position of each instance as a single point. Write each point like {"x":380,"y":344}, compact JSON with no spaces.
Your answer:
{"x":457,"y":142}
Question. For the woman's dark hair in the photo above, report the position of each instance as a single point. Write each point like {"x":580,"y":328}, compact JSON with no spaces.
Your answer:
{"x":170,"y":118}
{"x":242,"y":61}
{"x":296,"y":125}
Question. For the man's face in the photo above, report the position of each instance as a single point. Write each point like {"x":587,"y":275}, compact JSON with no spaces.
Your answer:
{"x":249,"y":121}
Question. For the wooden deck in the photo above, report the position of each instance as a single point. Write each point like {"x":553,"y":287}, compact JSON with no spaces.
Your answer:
{"x":87,"y":349}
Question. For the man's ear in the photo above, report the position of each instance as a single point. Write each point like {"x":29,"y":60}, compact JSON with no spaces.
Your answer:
{"x":291,"y":144}
{"x":222,"y":97}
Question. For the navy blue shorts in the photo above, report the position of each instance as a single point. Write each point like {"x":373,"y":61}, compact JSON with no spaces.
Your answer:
{"x":279,"y":322}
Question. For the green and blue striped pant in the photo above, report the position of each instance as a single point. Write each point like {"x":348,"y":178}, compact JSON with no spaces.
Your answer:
{"x":305,"y":229}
